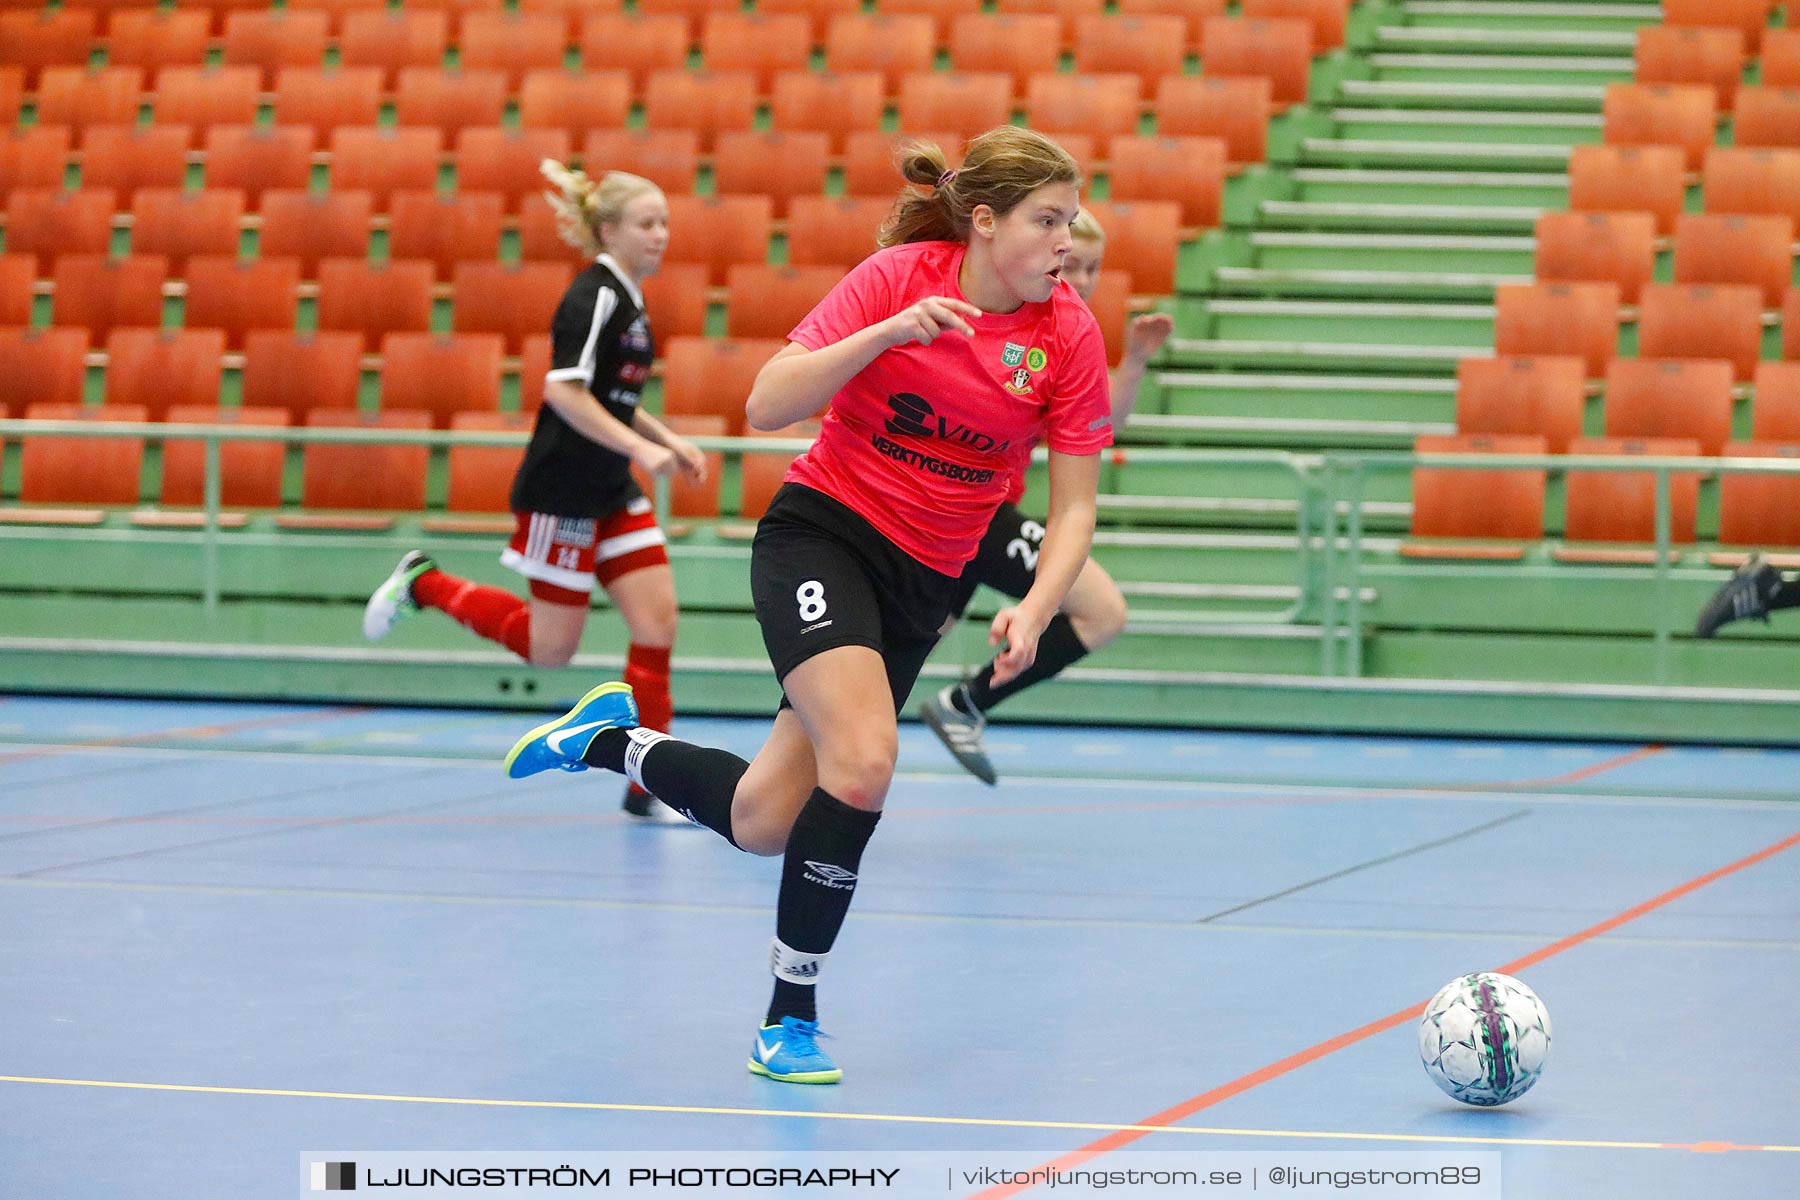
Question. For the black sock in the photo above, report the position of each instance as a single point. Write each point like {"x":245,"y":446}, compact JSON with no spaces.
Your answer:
{"x":1787,"y":595}
{"x":1058,"y":646}
{"x":818,"y":878}
{"x":697,"y":781}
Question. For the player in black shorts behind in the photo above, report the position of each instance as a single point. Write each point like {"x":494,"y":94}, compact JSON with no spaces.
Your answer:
{"x":1093,"y":613}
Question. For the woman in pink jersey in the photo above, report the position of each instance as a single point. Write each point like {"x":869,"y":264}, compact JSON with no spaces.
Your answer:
{"x":939,"y":362}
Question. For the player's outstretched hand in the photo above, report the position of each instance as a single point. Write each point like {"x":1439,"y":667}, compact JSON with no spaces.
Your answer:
{"x":1146,"y":334}
{"x":654,"y":460}
{"x":1019,"y":631}
{"x":924,"y":321}
{"x":691,"y":458}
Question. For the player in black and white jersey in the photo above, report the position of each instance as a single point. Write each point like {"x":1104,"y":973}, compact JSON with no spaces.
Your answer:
{"x":580,"y":515}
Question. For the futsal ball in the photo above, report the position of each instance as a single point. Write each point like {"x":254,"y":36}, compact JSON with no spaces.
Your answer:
{"x":1484,"y":1038}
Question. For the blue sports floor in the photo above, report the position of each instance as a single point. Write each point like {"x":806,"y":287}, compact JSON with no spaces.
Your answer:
{"x":233,"y":933}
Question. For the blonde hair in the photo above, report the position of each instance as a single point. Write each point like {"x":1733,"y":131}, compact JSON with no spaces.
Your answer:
{"x":583,"y":206}
{"x":999,"y":169}
{"x":1086,"y":229}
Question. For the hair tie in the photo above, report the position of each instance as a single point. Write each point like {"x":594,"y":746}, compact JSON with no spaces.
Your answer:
{"x":944,"y":179}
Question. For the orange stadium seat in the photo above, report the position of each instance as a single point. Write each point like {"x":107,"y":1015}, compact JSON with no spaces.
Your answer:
{"x":639,"y":44}
{"x":1465,"y":502}
{"x":124,"y":158}
{"x":1760,"y":510}
{"x":347,"y":476}
{"x":1193,"y":13}
{"x":710,"y":103}
{"x":271,"y":39}
{"x":573,"y":102}
{"x":1593,"y":247}
{"x":240,"y":294}
{"x":47,"y":365}
{"x":1236,"y":109}
{"x":1189,"y":171}
{"x":515,"y":300}
{"x":481,"y":477}
{"x":691,"y":13}
{"x":1775,"y":413}
{"x":441,"y":374}
{"x":717,"y":231}
{"x":834,"y":231}
{"x":1327,"y":18}
{"x":1109,"y":304}
{"x":1780,"y":58}
{"x":154,"y":38}
{"x":81,"y":470}
{"x":153,"y":369}
{"x":675,"y":299}
{"x":1540,"y":397}
{"x":1629,"y":179}
{"x":870,"y":166}
{"x":299,"y":372}
{"x":760,"y":476}
{"x":449,"y":99}
{"x":1141,"y":238}
{"x":32,"y":157}
{"x":1702,"y":321}
{"x":1558,"y":318}
{"x":201,"y":97}
{"x":1148,"y":47}
{"x":249,"y":472}
{"x":1713,"y":57}
{"x":1661,"y":114}
{"x":669,"y":158}
{"x":1670,"y":397}
{"x":82,"y":96}
{"x":534,"y":364}
{"x":763,"y":44}
{"x":941,"y":13}
{"x":393,"y":40}
{"x":180,"y":224}
{"x":1022,"y":44}
{"x":778,"y":165}
{"x":328,"y":100}
{"x":962,"y":104}
{"x":375,"y":299}
{"x":1100,"y":106}
{"x":38,"y":38}
{"x":570,"y":12}
{"x":513,"y":43}
{"x":1766,"y":116}
{"x":712,"y":376}
{"x":50,"y":221}
{"x":98,"y":291}
{"x":1066,"y":12}
{"x":445,"y":230}
{"x":1748,"y":179}
{"x":762,"y":301}
{"x":335,"y":10}
{"x":1278,"y":50}
{"x":1620,"y":506}
{"x":818,"y":13}
{"x":828,"y":103}
{"x":256,"y":158}
{"x":312,"y":226}
{"x":1790,"y":325}
{"x":1729,"y":248}
{"x":1750,"y":17}
{"x":539,"y":238}
{"x":894,"y":44}
{"x":458,"y":11}
{"x":382,"y":160}
{"x":18,"y":273}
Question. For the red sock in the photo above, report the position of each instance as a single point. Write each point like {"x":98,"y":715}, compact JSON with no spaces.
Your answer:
{"x":647,"y":671}
{"x":494,"y":613}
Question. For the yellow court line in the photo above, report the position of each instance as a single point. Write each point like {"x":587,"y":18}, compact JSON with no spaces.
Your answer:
{"x":894,"y":1118}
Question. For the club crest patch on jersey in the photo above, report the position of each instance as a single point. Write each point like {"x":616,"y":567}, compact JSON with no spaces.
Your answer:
{"x":1020,"y":383}
{"x":1035,"y":359}
{"x":1013,"y":354}
{"x":637,"y":336}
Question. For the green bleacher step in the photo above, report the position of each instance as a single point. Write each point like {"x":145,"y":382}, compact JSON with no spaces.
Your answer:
{"x":1505,"y":189}
{"x":1391,"y":93}
{"x":1397,"y":285}
{"x":1300,"y":355}
{"x":1287,"y":404}
{"x":1480,"y":126}
{"x":1550,"y":71}
{"x":1370,"y":324}
{"x":1533,"y":14}
{"x":1512,"y":40}
{"x":1455,"y":253}
{"x":1413,"y":218}
{"x":1380,"y":152}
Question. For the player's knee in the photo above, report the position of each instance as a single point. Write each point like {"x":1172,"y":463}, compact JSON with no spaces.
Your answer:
{"x":551,"y":652}
{"x":859,"y":769}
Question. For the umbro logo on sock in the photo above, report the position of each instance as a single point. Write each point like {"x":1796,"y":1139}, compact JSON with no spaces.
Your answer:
{"x":830,"y":875}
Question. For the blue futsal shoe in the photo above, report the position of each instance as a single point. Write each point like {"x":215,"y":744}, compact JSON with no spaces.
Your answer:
{"x":789,"y":1052}
{"x":562,"y":742}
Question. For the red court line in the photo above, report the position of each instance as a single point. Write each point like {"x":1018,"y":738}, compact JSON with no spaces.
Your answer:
{"x":1581,"y":773}
{"x":194,"y":731}
{"x":1275,"y":1070}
